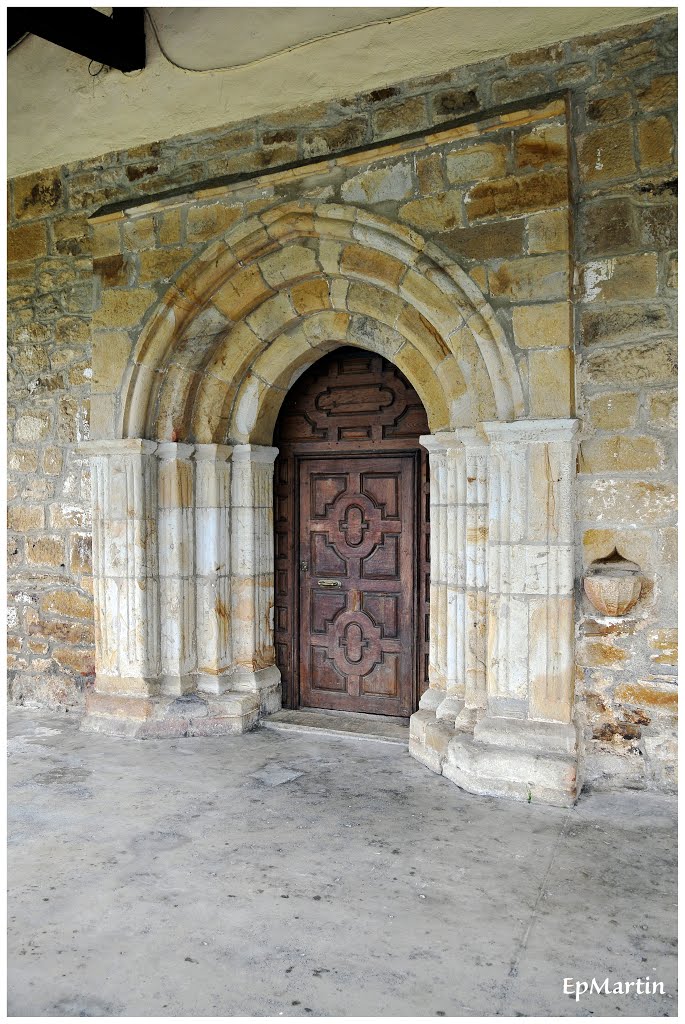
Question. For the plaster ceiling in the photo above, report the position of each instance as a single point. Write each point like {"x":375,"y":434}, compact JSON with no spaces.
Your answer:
{"x":277,"y":57}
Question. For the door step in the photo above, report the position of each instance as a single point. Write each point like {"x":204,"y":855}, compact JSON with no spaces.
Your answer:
{"x":340,"y":723}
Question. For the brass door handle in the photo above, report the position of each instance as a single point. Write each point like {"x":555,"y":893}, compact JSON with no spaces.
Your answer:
{"x":328,"y":583}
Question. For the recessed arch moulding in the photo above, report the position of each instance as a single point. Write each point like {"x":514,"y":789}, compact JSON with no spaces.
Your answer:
{"x":182,"y":495}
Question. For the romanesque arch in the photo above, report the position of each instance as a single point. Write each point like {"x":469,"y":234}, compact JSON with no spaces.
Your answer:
{"x":183,"y":500}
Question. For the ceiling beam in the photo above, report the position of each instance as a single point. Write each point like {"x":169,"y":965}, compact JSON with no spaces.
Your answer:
{"x":118,"y":42}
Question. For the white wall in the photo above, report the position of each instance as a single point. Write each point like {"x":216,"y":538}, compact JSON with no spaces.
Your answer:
{"x":57,"y":113}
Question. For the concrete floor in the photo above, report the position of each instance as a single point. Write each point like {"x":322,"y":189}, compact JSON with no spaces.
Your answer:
{"x":300,"y":875}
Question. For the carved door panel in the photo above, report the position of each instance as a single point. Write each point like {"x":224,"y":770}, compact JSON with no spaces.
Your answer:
{"x":357,"y":576}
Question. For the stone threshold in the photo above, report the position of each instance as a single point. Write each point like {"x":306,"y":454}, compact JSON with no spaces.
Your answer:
{"x":340,"y":723}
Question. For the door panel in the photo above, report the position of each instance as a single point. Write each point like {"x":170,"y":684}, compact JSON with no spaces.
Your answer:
{"x":357,"y":541}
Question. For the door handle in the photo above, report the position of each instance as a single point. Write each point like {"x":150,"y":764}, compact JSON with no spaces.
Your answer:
{"x":328,"y":583}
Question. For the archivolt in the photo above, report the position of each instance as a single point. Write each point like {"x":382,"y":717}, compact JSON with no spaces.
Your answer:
{"x":261,"y":304}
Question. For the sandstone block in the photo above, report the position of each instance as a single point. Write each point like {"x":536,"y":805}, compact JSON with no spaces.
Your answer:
{"x":620,"y":454}
{"x":429,"y":172}
{"x":112,"y":270}
{"x":476,"y":163}
{"x":379,"y":185}
{"x":663,"y":409}
{"x":607,"y":226}
{"x":544,"y":325}
{"x":64,"y":517}
{"x":404,"y":117}
{"x":169,"y":227}
{"x":111,"y":352}
{"x":162,"y":264}
{"x":660,"y":94}
{"x":645,"y":363}
{"x":27,"y":242}
{"x":626,"y":501}
{"x":52,"y":461}
{"x":650,"y":695}
{"x":25,"y":517}
{"x":441,"y":212}
{"x":606,"y":109}
{"x":67,"y":603}
{"x":32,"y":426}
{"x":636,"y":545}
{"x":487,"y":241}
{"x":624,"y":323}
{"x":309,"y":296}
{"x":81,"y":553}
{"x":46,"y":551}
{"x":204,"y":222}
{"x":531,"y":278}
{"x":507,"y":197}
{"x":107,"y":239}
{"x":339,"y":137}
{"x":656,"y":143}
{"x":123,"y":308}
{"x":37,"y":194}
{"x":22,"y":460}
{"x":453,"y":103}
{"x":548,"y":231}
{"x":140,"y":234}
{"x":606,"y":153}
{"x":620,"y":277}
{"x":550,"y":383}
{"x":544,"y":145}
{"x":521,"y":87}
{"x":665,"y":643}
{"x":614,"y":410}
{"x":82,"y":662}
{"x":372,"y":265}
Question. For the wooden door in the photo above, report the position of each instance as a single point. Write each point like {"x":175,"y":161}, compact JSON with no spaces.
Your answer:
{"x":353,"y":422}
{"x":357,"y":584}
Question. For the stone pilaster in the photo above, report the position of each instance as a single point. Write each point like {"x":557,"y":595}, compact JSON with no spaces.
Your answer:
{"x":213,"y":566}
{"x":252,"y":567}
{"x":125,"y":568}
{"x":526,"y":745}
{"x":176,"y":556}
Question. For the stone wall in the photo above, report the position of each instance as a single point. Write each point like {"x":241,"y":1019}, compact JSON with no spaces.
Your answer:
{"x":621,"y":100}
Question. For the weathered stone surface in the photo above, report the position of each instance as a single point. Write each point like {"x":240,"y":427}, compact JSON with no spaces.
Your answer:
{"x":544,"y":145}
{"x":123,"y":308}
{"x":46,"y":551}
{"x":429,"y":172}
{"x":605,"y":109}
{"x":624,"y":323}
{"x":37,"y":194}
{"x":663,"y":409}
{"x":507,"y":90}
{"x":661,"y":93}
{"x":337,"y":139}
{"x":656,"y":142}
{"x":23,"y":518}
{"x":27,"y":242}
{"x":606,"y":153}
{"x":550,"y":383}
{"x":614,"y":410}
{"x":514,"y":195}
{"x":532,"y":278}
{"x":204,"y":222}
{"x":476,"y":163}
{"x":487,"y":241}
{"x":548,"y":231}
{"x":626,"y":501}
{"x":441,"y":212}
{"x":454,"y":103}
{"x":545,"y":325}
{"x":404,"y":117}
{"x":640,"y":363}
{"x":620,"y":454}
{"x":162,"y":264}
{"x":377,"y":185}
{"x":620,"y":277}
{"x":32,"y":427}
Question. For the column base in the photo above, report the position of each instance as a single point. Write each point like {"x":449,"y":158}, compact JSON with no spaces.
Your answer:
{"x":264,"y":683}
{"x":516,"y":758}
{"x":163,"y":717}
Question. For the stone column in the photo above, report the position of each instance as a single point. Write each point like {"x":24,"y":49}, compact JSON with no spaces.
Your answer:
{"x":213,"y":566}
{"x":436,"y":445}
{"x":252,"y":572}
{"x":526,"y":745}
{"x":176,"y":554}
{"x":531,"y":569}
{"x":125,"y":569}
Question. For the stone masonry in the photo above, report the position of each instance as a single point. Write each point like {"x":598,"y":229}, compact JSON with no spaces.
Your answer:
{"x":495,"y":199}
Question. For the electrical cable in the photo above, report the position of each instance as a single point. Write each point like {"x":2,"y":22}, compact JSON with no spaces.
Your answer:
{"x":286,"y":49}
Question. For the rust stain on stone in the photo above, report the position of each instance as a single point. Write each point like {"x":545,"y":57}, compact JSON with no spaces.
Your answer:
{"x":634,"y":693}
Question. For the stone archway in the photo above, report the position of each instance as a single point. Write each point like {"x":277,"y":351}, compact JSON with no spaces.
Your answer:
{"x":183,"y":546}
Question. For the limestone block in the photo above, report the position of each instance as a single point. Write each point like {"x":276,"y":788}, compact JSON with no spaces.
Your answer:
{"x":378,"y":185}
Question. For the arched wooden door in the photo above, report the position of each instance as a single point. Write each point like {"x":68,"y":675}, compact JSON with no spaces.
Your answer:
{"x":351,"y":539}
